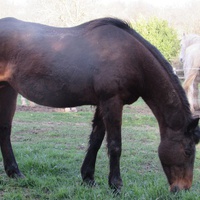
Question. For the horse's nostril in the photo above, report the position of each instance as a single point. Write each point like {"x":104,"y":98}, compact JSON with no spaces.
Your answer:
{"x":174,"y":189}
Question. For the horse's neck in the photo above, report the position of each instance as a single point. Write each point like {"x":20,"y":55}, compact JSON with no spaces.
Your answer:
{"x":192,"y":40}
{"x":166,"y":99}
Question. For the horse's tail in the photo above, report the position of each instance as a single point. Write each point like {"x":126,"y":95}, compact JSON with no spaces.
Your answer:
{"x":190,"y":79}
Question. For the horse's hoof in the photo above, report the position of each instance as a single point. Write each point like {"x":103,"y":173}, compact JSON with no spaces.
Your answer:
{"x":19,"y":175}
{"x":116,"y":186}
{"x":13,"y":174}
{"x":89,"y":182}
{"x":116,"y":190}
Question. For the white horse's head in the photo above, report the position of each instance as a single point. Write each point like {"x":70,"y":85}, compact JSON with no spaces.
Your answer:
{"x":186,"y":41}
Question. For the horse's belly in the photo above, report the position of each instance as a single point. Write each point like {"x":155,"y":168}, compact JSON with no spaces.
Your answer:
{"x":60,"y":94}
{"x":61,"y":99}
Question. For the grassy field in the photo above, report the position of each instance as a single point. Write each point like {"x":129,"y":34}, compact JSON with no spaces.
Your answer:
{"x":50,"y":148}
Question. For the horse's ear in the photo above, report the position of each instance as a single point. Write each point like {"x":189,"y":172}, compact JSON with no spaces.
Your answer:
{"x":194,"y":130}
{"x":193,"y":124}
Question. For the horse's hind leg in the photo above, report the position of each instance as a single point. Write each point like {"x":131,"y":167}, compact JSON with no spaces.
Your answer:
{"x":8,"y":98}
{"x":96,"y":138}
{"x":112,"y":116}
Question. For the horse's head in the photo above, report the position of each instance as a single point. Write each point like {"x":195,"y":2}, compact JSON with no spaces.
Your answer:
{"x":177,"y":153}
{"x":186,"y":41}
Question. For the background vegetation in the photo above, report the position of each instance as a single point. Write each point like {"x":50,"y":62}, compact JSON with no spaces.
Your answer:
{"x":160,"y":34}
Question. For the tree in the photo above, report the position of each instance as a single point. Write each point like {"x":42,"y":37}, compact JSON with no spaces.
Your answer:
{"x":160,"y":34}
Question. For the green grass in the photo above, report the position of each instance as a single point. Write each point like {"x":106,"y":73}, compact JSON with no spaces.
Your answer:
{"x":50,"y":148}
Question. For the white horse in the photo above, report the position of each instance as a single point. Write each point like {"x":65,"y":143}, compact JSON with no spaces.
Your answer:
{"x":190,"y":56}
{"x":186,"y":41}
{"x":192,"y":76}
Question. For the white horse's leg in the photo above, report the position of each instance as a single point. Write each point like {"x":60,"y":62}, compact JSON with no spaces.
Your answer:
{"x":190,"y":94}
{"x":195,"y":95}
{"x":23,"y":101}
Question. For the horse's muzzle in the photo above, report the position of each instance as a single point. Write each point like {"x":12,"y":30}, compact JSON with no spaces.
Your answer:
{"x":176,"y":187}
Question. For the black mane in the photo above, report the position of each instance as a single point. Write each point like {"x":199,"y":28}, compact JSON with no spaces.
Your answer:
{"x":156,"y":53}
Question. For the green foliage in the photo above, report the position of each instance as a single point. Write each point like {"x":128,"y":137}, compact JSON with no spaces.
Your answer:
{"x":160,"y":34}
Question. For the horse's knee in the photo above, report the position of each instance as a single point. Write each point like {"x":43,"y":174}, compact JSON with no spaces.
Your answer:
{"x":114,"y":148}
{"x":5,"y":131}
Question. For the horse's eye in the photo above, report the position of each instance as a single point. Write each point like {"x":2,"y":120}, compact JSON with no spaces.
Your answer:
{"x":188,"y":152}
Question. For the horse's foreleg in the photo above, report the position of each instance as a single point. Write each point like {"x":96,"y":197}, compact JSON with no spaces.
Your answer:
{"x":190,"y":95}
{"x":190,"y":85}
{"x":8,"y":98}
{"x":195,"y":97}
{"x":96,"y":138}
{"x":112,"y":116}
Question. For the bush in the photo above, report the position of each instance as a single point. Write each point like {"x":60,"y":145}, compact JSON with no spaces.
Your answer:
{"x":160,"y":34}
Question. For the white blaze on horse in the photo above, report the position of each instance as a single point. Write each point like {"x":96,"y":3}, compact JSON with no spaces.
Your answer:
{"x":189,"y":55}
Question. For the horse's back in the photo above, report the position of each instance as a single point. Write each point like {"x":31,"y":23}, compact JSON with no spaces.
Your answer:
{"x":69,"y":66}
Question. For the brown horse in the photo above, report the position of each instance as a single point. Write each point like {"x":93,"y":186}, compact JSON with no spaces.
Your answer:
{"x":104,"y":63}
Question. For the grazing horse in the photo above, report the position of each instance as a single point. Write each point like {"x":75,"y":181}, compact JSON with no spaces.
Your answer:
{"x":189,"y":55}
{"x":105,"y":63}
